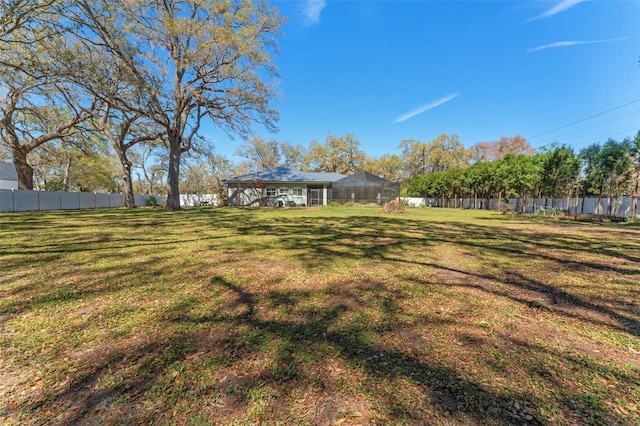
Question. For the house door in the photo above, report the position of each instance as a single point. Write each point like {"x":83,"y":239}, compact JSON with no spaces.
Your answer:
{"x":315,"y":196}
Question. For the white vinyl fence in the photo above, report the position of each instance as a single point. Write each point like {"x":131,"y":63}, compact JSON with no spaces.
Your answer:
{"x":15,"y":200}
{"x":621,"y":207}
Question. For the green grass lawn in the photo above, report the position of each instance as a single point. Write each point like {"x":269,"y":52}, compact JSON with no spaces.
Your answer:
{"x":317,"y":316}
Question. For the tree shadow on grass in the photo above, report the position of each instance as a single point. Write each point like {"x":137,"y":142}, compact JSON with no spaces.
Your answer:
{"x":449,"y":392}
{"x":320,"y":243}
{"x":266,"y":359}
{"x":540,"y":296}
{"x":36,"y":296}
{"x":260,"y":354}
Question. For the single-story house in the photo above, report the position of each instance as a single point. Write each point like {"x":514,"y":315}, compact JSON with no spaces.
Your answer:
{"x":8,"y":176}
{"x":284,"y":186}
{"x":281,"y":186}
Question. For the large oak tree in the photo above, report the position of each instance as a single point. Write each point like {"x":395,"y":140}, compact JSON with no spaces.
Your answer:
{"x":191,"y":61}
{"x":37,"y":105}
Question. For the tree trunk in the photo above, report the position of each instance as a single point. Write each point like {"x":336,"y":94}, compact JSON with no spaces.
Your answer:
{"x":23,"y":168}
{"x":173,"y":176}
{"x":149,"y":180}
{"x":577,"y":201}
{"x":36,"y":181}
{"x":129,"y":199}
{"x":634,"y":198}
{"x":67,"y":175}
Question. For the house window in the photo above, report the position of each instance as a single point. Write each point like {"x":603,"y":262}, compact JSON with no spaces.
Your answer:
{"x":271,"y":192}
{"x":297,"y":192}
{"x":284,"y":191}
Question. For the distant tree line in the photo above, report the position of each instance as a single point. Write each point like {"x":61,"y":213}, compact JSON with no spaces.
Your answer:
{"x":610,"y":170}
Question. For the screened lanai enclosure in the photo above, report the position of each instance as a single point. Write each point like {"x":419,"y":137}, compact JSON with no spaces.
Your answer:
{"x":363,"y":187}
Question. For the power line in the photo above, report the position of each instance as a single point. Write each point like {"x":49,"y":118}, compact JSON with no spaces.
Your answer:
{"x":585,"y":141}
{"x":584,"y":119}
{"x":594,"y":125}
{"x":601,"y":122}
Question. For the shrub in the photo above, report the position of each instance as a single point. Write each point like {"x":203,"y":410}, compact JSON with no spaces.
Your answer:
{"x":151,"y":201}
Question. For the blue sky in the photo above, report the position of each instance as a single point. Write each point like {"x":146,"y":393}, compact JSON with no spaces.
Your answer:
{"x":563,"y":71}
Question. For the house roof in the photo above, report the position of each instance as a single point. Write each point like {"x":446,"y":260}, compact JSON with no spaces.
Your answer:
{"x":8,"y":171}
{"x":287,"y":174}
{"x":362,"y":178}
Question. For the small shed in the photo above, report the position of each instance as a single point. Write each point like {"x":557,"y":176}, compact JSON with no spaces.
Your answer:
{"x":8,"y":176}
{"x":364,"y":187}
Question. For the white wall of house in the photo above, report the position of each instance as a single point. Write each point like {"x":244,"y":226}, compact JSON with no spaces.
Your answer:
{"x":286,"y":193}
{"x":239,"y":196}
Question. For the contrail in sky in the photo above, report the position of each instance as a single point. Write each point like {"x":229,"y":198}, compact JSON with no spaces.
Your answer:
{"x":572,"y":43}
{"x":560,"y":7}
{"x":424,"y":108}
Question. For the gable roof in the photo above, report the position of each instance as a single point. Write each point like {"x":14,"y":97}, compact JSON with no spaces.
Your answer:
{"x":287,"y":174}
{"x":362,"y":178}
{"x":8,"y":171}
